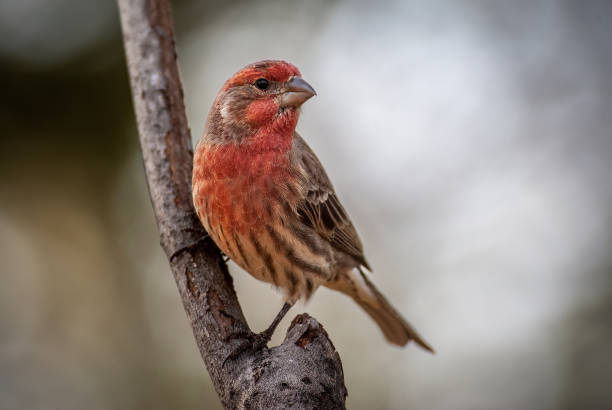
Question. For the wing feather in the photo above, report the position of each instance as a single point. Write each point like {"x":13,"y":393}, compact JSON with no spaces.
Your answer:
{"x":320,"y":208}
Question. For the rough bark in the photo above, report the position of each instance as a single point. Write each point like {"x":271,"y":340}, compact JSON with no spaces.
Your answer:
{"x":305,"y":371}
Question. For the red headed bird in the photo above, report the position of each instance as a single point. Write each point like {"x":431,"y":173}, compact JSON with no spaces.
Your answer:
{"x":266,"y":201}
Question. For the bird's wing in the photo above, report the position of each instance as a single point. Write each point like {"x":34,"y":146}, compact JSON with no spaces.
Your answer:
{"x":320,"y":208}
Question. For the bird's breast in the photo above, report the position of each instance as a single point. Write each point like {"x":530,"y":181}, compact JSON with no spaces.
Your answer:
{"x":240,"y":191}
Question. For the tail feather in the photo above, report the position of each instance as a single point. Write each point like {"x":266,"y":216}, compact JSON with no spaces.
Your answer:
{"x":395,"y":328}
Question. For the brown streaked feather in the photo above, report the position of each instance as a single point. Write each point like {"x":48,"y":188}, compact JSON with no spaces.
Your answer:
{"x":266,"y":257}
{"x":320,"y":208}
{"x":292,"y":256}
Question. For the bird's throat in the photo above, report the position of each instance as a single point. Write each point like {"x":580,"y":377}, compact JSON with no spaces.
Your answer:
{"x":276,"y":134}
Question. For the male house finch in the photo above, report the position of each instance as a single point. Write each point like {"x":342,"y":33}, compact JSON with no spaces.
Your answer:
{"x":266,"y":201}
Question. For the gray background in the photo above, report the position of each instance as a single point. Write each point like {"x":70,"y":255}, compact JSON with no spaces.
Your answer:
{"x":470,"y":141}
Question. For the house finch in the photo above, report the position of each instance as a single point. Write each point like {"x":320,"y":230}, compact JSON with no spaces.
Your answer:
{"x":266,"y":201}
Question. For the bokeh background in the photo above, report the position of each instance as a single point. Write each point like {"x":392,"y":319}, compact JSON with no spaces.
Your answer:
{"x":471,"y":142}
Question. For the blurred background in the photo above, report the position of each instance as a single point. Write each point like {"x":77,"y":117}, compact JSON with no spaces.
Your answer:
{"x":470,"y":141}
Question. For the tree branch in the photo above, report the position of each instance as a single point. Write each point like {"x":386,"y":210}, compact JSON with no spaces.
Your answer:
{"x":305,"y":371}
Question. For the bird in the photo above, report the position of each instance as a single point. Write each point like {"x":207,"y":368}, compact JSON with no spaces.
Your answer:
{"x":266,"y":201}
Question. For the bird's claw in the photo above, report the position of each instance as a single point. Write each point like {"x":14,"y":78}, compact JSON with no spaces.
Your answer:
{"x":261,"y":340}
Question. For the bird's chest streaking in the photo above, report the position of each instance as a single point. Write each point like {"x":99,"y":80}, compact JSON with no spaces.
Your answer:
{"x":245,"y":202}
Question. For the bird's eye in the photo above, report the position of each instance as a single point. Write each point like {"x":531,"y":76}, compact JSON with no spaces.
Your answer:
{"x":262,"y":84}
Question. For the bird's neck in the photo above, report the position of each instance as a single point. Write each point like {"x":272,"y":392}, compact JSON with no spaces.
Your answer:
{"x":265,"y":150}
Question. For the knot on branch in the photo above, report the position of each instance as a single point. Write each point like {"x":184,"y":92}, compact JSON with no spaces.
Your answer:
{"x":304,"y":372}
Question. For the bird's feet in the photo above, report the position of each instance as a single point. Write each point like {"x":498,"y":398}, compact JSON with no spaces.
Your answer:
{"x":260,"y":340}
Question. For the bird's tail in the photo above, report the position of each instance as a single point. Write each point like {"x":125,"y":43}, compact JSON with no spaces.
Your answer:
{"x":395,"y":328}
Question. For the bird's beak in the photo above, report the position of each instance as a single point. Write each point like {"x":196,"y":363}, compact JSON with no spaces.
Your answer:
{"x":296,"y":92}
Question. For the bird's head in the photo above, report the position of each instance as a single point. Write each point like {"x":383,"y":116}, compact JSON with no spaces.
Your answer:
{"x":266,"y":95}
